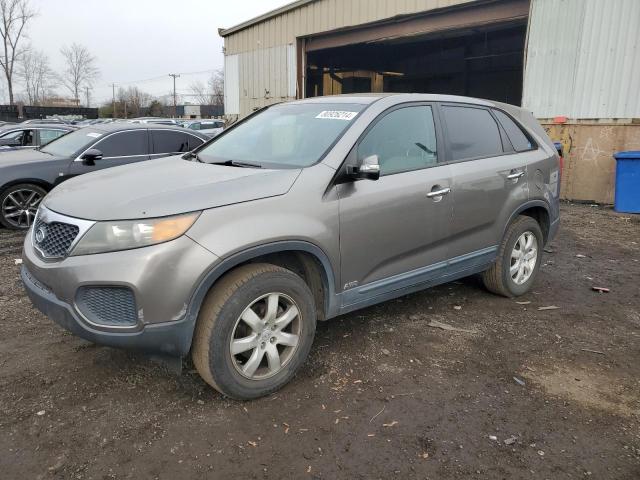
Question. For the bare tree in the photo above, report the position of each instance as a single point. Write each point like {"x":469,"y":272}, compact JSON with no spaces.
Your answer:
{"x":36,"y":75}
{"x":210,"y":94}
{"x":134,"y":99}
{"x":80,"y":70}
{"x":15,"y":16}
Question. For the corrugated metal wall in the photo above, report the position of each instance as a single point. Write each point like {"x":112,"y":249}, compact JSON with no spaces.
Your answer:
{"x":583,"y":59}
{"x":266,"y":52}
{"x":322,"y":16}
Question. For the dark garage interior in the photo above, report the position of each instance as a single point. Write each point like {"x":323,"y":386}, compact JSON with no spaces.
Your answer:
{"x":485,"y":62}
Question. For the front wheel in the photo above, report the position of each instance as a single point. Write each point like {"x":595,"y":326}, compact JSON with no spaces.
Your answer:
{"x":254,"y":331}
{"x":518,"y":259}
{"x":19,"y":204}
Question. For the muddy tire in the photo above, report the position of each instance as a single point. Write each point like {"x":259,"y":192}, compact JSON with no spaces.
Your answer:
{"x":254,"y":331}
{"x":518,"y":260}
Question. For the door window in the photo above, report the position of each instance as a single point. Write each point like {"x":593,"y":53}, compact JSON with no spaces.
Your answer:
{"x":48,"y":135}
{"x":195,"y":126}
{"x":472,"y":133}
{"x":403,"y":140}
{"x":169,"y":142}
{"x":124,"y":144}
{"x":517,"y":137}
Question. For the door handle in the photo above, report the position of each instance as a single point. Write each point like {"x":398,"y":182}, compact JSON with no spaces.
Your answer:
{"x":515,"y":175}
{"x":439,"y":193}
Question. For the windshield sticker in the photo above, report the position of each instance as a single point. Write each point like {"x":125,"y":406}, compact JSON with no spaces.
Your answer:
{"x":337,"y":115}
{"x":94,"y":135}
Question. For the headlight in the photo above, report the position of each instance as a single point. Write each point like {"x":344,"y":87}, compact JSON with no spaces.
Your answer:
{"x":127,"y":234}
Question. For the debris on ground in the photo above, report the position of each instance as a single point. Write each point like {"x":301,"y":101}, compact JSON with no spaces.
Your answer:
{"x":392,"y":424}
{"x":511,"y":440}
{"x":446,"y":326}
{"x":550,"y":307}
{"x":519,"y":381}
{"x":600,"y":289}
{"x":592,"y":351}
{"x":18,"y":261}
{"x":581,"y":256}
{"x":493,"y":437}
{"x":385,"y":352}
{"x":457,"y":307}
{"x":523,"y":303}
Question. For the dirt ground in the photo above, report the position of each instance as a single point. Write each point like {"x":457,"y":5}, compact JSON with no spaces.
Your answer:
{"x":523,"y":393}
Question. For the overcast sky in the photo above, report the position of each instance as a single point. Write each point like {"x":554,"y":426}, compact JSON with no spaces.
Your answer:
{"x":137,"y":40}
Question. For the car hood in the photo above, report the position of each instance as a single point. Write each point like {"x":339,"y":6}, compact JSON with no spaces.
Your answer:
{"x":10,"y":158}
{"x":164,"y":187}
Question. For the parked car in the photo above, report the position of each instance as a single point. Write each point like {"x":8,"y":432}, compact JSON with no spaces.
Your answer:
{"x":48,"y":121}
{"x":26,"y":176}
{"x":154,"y":120}
{"x":299,"y":213}
{"x":211,"y":128}
{"x":17,"y":137}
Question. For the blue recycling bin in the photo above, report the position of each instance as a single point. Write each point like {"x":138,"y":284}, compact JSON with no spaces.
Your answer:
{"x":627,"y":182}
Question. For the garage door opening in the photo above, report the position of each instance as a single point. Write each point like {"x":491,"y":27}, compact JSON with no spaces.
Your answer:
{"x":484,"y":62}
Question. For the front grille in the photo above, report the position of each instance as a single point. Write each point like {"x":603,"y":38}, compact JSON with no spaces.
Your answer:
{"x":54,"y":239}
{"x":109,"y":306}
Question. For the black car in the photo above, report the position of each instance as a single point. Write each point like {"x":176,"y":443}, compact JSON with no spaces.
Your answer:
{"x":27,"y":175}
{"x":16,"y":137}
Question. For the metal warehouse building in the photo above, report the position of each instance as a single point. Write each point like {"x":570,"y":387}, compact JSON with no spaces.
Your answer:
{"x":574,"y":63}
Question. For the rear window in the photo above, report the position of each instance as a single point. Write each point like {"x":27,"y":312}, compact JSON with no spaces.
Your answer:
{"x":517,"y":137}
{"x":472,"y":133}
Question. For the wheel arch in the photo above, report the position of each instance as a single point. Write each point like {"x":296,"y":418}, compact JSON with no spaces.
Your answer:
{"x":536,"y":209}
{"x":32,"y":181}
{"x":304,"y":258}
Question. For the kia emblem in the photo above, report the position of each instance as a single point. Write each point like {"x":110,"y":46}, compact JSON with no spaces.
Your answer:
{"x":41,"y":234}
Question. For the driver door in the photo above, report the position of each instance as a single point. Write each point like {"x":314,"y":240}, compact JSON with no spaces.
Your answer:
{"x":393,"y":231}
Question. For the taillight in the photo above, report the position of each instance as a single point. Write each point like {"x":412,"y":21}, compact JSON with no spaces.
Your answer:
{"x":560,"y":151}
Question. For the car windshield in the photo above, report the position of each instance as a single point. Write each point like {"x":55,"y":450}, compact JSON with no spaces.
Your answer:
{"x":283,"y":136}
{"x":72,"y":143}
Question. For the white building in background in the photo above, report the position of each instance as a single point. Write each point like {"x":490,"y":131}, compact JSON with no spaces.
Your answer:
{"x":578,"y":59}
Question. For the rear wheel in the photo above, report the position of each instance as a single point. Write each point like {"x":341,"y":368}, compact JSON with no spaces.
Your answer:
{"x":254,"y":331}
{"x":19,"y":204}
{"x":518,"y":259}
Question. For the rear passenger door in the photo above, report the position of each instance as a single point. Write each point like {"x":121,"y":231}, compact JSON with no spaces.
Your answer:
{"x":489,"y":179}
{"x":117,"y":149}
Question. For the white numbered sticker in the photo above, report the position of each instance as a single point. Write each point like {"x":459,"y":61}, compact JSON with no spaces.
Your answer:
{"x":94,"y":135}
{"x":337,"y":115}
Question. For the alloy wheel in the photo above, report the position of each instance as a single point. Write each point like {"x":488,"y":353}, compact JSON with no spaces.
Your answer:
{"x":523,"y":258}
{"x":20,"y":206}
{"x":266,"y":336}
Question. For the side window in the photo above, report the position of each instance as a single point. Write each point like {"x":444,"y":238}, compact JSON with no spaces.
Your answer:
{"x":403,"y":140}
{"x":194,"y":141}
{"x":517,"y":137}
{"x":14,"y":135}
{"x":48,"y":135}
{"x":124,"y":144}
{"x":195,"y":126}
{"x":169,"y":141}
{"x":29,"y":138}
{"x":472,"y":133}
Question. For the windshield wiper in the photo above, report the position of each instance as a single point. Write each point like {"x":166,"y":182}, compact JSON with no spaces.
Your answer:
{"x":236,"y":163}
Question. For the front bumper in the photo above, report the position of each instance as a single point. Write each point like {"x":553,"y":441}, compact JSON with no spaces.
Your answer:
{"x":163,"y":278}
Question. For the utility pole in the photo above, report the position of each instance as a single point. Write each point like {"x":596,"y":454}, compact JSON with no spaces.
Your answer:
{"x":113,"y":86}
{"x":175,"y":101}
{"x":86,"y":89}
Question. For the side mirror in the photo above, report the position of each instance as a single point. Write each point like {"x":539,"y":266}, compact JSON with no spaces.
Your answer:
{"x":91,"y":155}
{"x":369,"y":169}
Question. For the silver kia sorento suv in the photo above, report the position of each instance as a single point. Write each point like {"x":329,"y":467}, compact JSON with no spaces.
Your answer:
{"x":299,"y":213}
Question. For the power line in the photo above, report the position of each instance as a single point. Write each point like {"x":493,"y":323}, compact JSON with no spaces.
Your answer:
{"x":160,"y":77}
